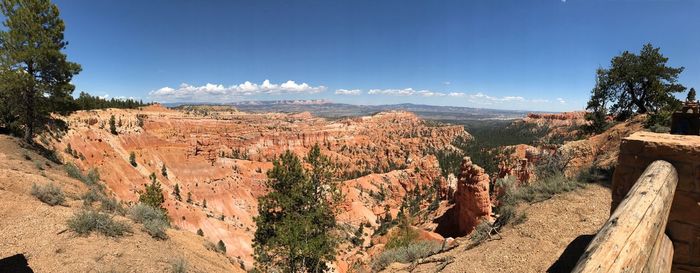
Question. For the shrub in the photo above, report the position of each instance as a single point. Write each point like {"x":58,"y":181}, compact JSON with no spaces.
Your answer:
{"x":200,"y":232}
{"x":91,"y":196}
{"x":92,"y":178}
{"x":155,"y":221}
{"x":405,"y":254}
{"x":546,"y":188}
{"x":73,"y":171}
{"x":481,"y":232}
{"x":221,"y":247}
{"x":111,"y":204}
{"x":38,"y":165}
{"x":156,"y":228}
{"x":142,"y":213}
{"x":132,"y":159}
{"x":521,"y":218}
{"x":178,"y":265}
{"x":404,"y":236}
{"x":596,"y":174}
{"x":87,"y":221}
{"x":49,"y":194}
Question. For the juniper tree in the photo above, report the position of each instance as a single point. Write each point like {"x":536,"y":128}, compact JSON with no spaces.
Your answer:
{"x":35,"y":74}
{"x":296,"y":218}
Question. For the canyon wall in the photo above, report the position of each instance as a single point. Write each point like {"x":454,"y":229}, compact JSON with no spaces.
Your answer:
{"x":219,"y":160}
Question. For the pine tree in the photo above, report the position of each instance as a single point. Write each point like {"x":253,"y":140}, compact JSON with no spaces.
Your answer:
{"x":152,"y":194}
{"x":112,"y":125}
{"x":132,"y":159}
{"x":221,"y":246}
{"x":297,"y":216}
{"x":691,"y":95}
{"x":637,"y":83}
{"x":176,"y":192}
{"x":34,"y":72}
{"x":164,"y":171}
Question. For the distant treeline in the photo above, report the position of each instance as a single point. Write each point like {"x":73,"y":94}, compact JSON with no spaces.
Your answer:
{"x":490,"y":136}
{"x":12,"y":122}
{"x":86,"y":101}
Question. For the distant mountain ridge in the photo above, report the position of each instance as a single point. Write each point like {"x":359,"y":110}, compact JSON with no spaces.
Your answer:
{"x":328,"y":109}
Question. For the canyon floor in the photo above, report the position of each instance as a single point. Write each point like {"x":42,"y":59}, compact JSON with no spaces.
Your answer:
{"x":534,"y":245}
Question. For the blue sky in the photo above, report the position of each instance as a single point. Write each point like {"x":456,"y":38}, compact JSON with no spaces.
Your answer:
{"x":531,"y":55}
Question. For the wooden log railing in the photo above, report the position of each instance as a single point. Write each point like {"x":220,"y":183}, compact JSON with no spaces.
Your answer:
{"x":633,"y":238}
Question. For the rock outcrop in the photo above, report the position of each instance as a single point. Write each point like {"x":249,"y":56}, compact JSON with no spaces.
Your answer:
{"x":472,"y":199}
{"x":472,"y":202}
{"x":219,"y":159}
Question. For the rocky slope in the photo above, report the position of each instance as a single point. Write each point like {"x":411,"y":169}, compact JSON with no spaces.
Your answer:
{"x":39,"y":231}
{"x":600,"y":150}
{"x":532,"y":246}
{"x":219,"y":158}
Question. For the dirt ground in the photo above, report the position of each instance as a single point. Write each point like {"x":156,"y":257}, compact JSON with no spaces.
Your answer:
{"x":39,"y":231}
{"x":536,"y":244}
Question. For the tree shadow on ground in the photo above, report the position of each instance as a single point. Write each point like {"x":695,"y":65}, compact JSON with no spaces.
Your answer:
{"x":16,"y":264}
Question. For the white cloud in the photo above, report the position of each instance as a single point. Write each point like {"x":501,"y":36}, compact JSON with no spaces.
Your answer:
{"x":353,"y":92}
{"x":456,"y":94}
{"x":218,"y":91}
{"x":560,"y":100}
{"x":484,"y":99}
{"x":405,"y":92}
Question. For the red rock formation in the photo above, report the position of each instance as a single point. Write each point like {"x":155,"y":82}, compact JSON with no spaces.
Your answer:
{"x":223,"y":157}
{"x":472,"y":200}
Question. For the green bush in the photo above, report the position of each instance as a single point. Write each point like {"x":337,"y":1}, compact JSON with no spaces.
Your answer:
{"x":546,"y":188}
{"x":405,"y":254}
{"x":87,"y":221}
{"x":132,"y":159}
{"x":73,"y":171}
{"x":481,"y":232}
{"x":404,"y":236}
{"x":91,"y":196}
{"x":92,"y":178}
{"x":111,"y":204}
{"x":221,"y":247}
{"x":155,"y":221}
{"x":142,"y":213}
{"x":156,"y":228}
{"x":596,"y":174}
{"x":49,"y":194}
